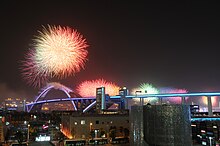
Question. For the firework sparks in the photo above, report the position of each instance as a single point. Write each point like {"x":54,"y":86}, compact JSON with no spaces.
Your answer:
{"x":30,"y":71}
{"x":88,"y":88}
{"x":57,"y":52}
{"x":145,"y":88}
{"x":60,"y":51}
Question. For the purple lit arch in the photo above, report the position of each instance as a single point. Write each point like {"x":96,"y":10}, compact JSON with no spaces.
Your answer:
{"x":46,"y":89}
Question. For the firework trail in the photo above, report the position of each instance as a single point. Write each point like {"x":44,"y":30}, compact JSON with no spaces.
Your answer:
{"x":88,"y":88}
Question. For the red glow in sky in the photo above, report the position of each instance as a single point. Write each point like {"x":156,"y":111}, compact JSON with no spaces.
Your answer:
{"x":88,"y":88}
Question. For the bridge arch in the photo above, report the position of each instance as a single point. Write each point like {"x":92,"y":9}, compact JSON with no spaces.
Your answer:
{"x":53,"y":85}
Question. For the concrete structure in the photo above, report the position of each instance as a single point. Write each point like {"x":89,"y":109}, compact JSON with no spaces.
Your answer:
{"x":160,"y":125}
{"x":136,"y":126}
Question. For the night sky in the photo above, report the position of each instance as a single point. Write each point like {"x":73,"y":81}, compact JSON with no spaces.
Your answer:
{"x":167,"y":44}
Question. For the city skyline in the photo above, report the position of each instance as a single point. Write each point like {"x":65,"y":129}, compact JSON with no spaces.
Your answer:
{"x":167,"y":44}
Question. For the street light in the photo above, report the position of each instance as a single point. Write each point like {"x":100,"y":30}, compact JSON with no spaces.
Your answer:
{"x":90,"y":126}
{"x":28,"y":133}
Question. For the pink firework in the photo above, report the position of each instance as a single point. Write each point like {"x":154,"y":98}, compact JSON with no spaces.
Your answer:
{"x":60,"y":51}
{"x":30,"y":72}
{"x":88,"y":88}
{"x":173,"y":90}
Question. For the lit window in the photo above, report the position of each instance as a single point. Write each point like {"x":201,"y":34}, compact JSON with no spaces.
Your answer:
{"x":83,"y":122}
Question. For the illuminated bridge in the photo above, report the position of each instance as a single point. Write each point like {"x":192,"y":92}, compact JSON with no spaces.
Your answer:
{"x":90,"y":102}
{"x":70,"y":96}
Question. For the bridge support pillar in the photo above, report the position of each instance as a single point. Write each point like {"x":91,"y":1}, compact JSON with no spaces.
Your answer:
{"x":126,"y":103}
{"x":183,"y":100}
{"x":209,"y":101}
{"x":160,"y":100}
{"x":141,"y":101}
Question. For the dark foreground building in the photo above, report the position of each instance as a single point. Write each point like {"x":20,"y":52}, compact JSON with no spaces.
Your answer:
{"x":161,"y":125}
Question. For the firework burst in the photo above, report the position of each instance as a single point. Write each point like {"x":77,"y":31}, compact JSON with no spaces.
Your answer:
{"x":145,"y":88}
{"x":88,"y":88}
{"x":56,"y":52}
{"x":173,"y":90}
{"x":30,"y":71}
{"x":60,"y":51}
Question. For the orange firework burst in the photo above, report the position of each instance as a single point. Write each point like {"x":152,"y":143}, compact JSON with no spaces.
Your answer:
{"x":57,"y":52}
{"x":60,"y":51}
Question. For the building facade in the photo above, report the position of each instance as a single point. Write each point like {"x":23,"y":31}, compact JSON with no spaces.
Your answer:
{"x":87,"y":126}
